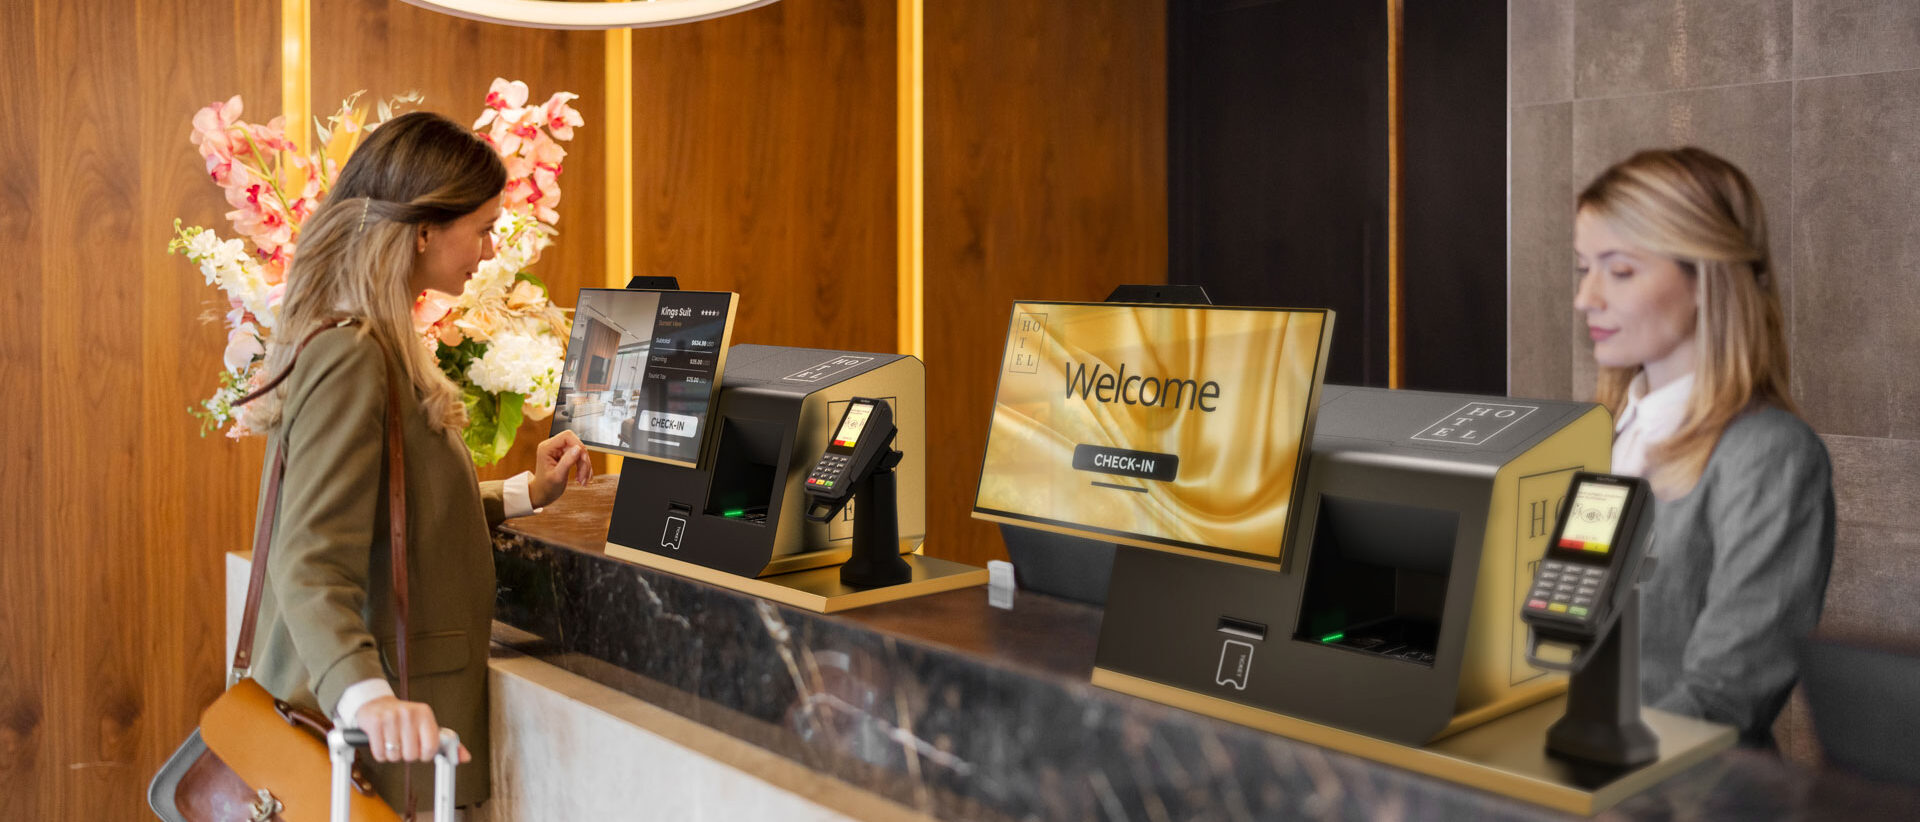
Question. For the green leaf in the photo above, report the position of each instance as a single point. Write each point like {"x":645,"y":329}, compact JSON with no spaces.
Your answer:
{"x":536,"y":283}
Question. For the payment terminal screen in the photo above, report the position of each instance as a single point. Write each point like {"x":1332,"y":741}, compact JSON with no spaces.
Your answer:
{"x":643,"y":368}
{"x":1594,"y":518}
{"x":849,"y":432}
{"x":1181,"y":428}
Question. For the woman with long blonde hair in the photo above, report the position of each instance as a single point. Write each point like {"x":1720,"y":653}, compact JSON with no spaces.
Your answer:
{"x":411,"y":211}
{"x":1678,"y":293}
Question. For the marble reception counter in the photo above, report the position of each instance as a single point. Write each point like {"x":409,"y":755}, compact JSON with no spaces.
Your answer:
{"x":956,"y":709}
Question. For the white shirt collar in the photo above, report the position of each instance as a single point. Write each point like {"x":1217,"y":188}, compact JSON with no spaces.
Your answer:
{"x":1649,"y":419}
{"x":1660,"y":409}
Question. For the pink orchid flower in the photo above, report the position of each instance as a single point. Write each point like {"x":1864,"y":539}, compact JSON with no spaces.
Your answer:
{"x":502,"y":97}
{"x":243,"y":344}
{"x":430,"y":308}
{"x":213,"y":133}
{"x":561,"y":118}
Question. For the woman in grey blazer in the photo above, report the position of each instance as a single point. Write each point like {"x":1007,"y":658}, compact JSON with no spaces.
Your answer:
{"x":1679,"y":298}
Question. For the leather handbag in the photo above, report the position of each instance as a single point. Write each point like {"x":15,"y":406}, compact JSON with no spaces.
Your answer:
{"x":258,"y":758}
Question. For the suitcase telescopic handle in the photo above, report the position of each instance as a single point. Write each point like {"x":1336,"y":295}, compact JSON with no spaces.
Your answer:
{"x":340,"y":745}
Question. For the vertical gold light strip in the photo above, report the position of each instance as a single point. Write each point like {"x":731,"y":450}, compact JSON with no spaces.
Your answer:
{"x":296,"y":70}
{"x":1396,"y":337}
{"x":619,"y":131}
{"x":911,"y":289}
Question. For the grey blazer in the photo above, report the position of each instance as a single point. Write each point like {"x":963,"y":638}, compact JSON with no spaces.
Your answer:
{"x":1742,"y":574}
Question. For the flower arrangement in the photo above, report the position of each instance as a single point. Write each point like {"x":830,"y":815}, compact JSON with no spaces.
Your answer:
{"x":501,"y":340}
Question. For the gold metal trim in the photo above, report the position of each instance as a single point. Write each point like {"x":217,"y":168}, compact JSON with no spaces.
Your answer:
{"x":815,"y":559}
{"x":296,"y":71}
{"x":910,"y":290}
{"x":818,"y":589}
{"x":1506,"y":756}
{"x":619,"y":158}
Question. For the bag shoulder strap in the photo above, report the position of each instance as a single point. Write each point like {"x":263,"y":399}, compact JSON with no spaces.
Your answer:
{"x":263,"y":530}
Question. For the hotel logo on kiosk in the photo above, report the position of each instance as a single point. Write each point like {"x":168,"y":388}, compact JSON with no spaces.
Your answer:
{"x":1133,"y":423}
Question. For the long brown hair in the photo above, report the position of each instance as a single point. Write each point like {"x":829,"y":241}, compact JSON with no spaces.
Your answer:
{"x":1699,"y":210}
{"x":356,"y":253}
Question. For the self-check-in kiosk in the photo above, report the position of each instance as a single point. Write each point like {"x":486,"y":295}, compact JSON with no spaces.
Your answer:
{"x":731,"y":507}
{"x":1382,"y":616}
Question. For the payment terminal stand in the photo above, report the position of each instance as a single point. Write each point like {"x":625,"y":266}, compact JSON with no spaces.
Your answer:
{"x":1585,"y":607}
{"x":858,"y":464}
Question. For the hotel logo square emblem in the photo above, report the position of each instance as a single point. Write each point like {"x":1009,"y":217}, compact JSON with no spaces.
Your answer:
{"x":1475,"y":423}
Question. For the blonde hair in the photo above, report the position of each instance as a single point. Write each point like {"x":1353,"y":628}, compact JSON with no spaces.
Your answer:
{"x":356,"y":253}
{"x":1700,"y":211}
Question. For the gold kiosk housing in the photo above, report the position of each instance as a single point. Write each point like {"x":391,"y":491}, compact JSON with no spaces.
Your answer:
{"x":1389,"y":628}
{"x":738,"y":519}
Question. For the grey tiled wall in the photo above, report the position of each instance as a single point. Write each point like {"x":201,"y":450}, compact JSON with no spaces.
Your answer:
{"x":1819,"y":101}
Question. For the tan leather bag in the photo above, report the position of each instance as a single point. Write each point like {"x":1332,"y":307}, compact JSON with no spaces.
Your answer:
{"x":258,"y":758}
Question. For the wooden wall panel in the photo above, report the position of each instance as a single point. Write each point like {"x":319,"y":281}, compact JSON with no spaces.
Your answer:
{"x":388,"y":47}
{"x":26,"y":763}
{"x":764,"y":164}
{"x":1045,"y":179}
{"x":89,"y":196}
{"x":208,"y":509}
{"x":113,"y":513}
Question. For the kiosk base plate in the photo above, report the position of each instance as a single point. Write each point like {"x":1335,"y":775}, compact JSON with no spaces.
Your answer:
{"x":819,"y":589}
{"x":1507,"y":756}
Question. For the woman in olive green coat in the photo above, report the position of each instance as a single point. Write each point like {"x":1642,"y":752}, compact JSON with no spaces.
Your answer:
{"x":411,"y":211}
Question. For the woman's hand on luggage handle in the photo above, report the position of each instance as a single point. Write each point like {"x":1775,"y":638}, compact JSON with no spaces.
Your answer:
{"x":401,"y":731}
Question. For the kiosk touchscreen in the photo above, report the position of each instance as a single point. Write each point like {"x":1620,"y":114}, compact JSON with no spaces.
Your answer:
{"x":643,"y":367}
{"x":1170,"y":427}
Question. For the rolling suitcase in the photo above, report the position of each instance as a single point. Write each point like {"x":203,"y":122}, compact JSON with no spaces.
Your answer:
{"x":340,"y":745}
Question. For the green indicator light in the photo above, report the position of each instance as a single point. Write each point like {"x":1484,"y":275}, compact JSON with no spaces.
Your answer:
{"x":733,"y":513}
{"x":1333,"y":637}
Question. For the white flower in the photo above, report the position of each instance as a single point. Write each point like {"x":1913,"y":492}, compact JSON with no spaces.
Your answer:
{"x":524,"y":364}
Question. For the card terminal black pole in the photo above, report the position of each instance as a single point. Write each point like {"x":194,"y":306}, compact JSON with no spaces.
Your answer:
{"x":859,"y":462}
{"x":1585,"y":603}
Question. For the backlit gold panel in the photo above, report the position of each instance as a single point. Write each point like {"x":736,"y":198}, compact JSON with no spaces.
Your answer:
{"x":1229,"y":393}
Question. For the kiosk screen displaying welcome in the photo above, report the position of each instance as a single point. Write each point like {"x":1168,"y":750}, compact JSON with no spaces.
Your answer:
{"x":1181,"y":428}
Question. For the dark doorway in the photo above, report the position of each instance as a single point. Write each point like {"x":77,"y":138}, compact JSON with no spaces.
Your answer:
{"x":1278,"y":175}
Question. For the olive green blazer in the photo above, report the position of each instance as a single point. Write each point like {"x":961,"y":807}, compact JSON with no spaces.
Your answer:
{"x":326,"y":618}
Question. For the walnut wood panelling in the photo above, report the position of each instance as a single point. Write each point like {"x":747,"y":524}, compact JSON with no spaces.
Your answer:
{"x":26,"y":769}
{"x":1045,"y":179}
{"x":764,"y":163}
{"x":388,"y":47}
{"x":113,"y":513}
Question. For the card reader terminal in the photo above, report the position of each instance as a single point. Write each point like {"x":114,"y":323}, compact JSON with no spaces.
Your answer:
{"x":865,"y":434}
{"x":1595,"y":550}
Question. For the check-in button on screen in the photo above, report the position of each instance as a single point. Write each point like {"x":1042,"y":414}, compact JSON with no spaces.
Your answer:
{"x":1124,"y":463}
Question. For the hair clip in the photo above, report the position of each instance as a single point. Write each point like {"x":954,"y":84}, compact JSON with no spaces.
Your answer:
{"x":365,"y":202}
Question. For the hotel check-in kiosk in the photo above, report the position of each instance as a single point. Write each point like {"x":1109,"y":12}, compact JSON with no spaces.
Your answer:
{"x":739,"y":518}
{"x":1345,"y":566}
{"x":721,"y":438}
{"x":1395,"y":611}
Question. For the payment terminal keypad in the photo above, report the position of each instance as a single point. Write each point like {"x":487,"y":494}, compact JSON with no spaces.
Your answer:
{"x":830,"y":472}
{"x":1567,"y":589}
